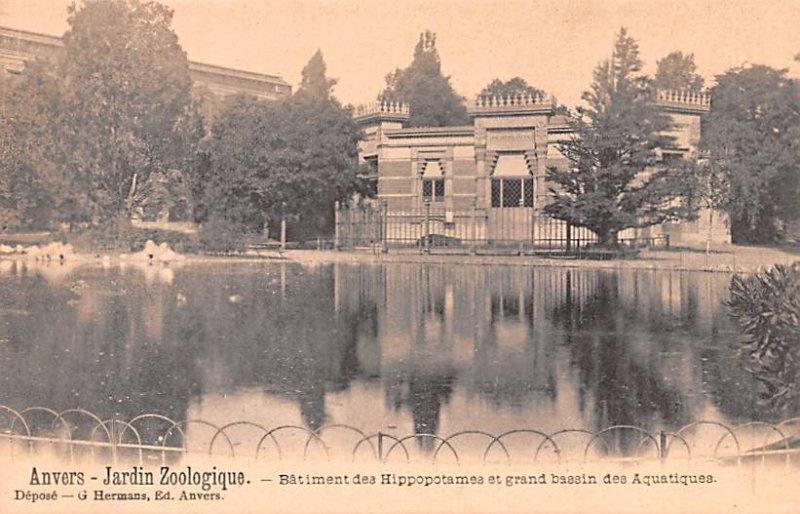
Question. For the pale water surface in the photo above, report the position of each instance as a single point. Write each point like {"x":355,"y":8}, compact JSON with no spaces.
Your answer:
{"x":397,"y":348}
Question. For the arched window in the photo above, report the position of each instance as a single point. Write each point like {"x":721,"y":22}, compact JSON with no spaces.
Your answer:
{"x":512,"y":184}
{"x":433,"y":182}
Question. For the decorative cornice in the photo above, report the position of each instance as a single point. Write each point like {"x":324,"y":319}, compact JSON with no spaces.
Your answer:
{"x":33,"y":37}
{"x":214,"y":69}
{"x":462,"y":131}
{"x":559,"y":129}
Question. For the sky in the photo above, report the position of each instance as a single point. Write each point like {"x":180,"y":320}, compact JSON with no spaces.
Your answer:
{"x":553,"y":44}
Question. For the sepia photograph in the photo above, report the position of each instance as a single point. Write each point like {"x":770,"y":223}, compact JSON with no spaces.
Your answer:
{"x":406,"y":256}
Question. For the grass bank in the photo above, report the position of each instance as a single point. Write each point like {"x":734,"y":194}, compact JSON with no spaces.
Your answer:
{"x":728,"y":259}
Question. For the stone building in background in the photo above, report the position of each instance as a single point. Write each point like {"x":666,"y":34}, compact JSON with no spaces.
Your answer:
{"x":212,"y":83}
{"x":486,"y":181}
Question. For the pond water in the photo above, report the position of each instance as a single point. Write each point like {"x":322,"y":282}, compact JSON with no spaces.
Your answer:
{"x":401,"y":348}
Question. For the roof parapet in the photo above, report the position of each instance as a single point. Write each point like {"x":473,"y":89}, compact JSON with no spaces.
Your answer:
{"x":397,"y":111}
{"x":511,"y":104}
{"x":683,"y":101}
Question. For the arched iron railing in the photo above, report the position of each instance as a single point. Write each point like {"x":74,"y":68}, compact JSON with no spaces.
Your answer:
{"x":79,"y":433}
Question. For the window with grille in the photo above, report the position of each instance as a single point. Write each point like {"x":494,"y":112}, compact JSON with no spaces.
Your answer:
{"x":512,"y":192}
{"x":433,"y":182}
{"x":433,"y":190}
{"x":512,"y":184}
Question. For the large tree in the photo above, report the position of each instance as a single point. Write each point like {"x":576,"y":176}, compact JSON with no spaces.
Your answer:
{"x":613,"y":179}
{"x":33,"y":181}
{"x":428,"y":92}
{"x":677,"y":71}
{"x":83,"y":135}
{"x":292,"y":159}
{"x":129,"y":95}
{"x":751,"y":139}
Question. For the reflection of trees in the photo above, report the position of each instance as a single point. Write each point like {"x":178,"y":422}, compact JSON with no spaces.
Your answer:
{"x":108,"y":343}
{"x":426,"y":396}
{"x":99,"y":343}
{"x":625,"y":388}
{"x":683,"y":312}
{"x":359,"y":322}
{"x":286,"y":338}
{"x":312,"y":406}
{"x":733,"y":389}
{"x":424,"y":392}
{"x":105,"y":341}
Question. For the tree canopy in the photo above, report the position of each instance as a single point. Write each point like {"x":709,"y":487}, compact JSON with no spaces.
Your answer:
{"x":292,"y":158}
{"x":113,"y":110}
{"x":314,"y":83}
{"x":678,"y":72}
{"x":31,"y":180}
{"x":613,"y":179}
{"x":511,"y":87}
{"x":751,"y":139}
{"x":428,"y":92}
{"x":130,"y":95}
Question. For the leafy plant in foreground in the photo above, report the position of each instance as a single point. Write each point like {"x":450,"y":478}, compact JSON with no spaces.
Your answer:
{"x":767,"y":307}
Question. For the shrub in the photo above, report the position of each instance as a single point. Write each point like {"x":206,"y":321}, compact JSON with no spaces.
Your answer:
{"x":112,"y":235}
{"x":180,"y":242}
{"x":766,"y":306}
{"x":120,"y":235}
{"x":217,"y":235}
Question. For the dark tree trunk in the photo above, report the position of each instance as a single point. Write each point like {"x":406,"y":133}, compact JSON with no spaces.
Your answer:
{"x":607,"y":238}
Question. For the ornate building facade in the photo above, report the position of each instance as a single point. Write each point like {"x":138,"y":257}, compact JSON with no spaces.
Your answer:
{"x":486,"y":181}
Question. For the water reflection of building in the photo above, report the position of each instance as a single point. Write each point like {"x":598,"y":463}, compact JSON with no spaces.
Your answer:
{"x":419,"y":348}
{"x":441,"y":329}
{"x":514,"y":337}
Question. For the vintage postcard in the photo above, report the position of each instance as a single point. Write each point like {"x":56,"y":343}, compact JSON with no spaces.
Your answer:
{"x":457,"y":256}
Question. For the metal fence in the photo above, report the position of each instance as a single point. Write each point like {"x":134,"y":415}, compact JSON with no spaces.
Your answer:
{"x":80,"y":435}
{"x":436,"y":228}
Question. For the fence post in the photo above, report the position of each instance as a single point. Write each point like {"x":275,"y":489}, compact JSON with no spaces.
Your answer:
{"x":337,"y":217}
{"x":113,"y":436}
{"x":662,"y":441}
{"x":283,"y":233}
{"x":569,"y":237}
{"x":384,"y":225}
{"x":427,"y":233}
{"x":380,"y":447}
{"x":474,"y":216}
